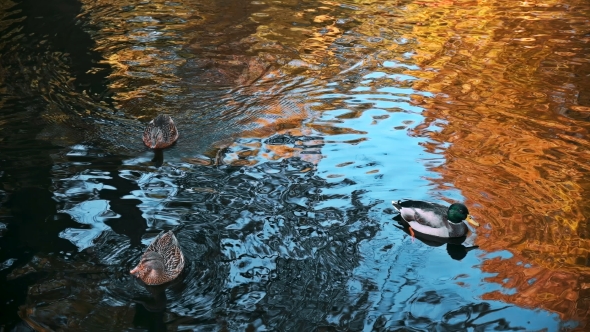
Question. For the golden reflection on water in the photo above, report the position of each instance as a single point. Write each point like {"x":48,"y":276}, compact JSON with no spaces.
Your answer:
{"x":508,"y":80}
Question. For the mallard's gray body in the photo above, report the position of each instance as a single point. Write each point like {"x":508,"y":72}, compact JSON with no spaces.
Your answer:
{"x":432,"y":218}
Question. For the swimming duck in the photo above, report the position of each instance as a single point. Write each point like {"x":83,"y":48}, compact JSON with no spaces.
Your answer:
{"x":160,"y":133}
{"x":435,"y":219}
{"x":161,"y":262}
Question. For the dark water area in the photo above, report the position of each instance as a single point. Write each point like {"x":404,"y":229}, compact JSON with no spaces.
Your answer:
{"x":300,"y":121}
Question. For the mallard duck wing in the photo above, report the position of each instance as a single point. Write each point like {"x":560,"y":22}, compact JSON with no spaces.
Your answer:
{"x":156,"y":243}
{"x":167,"y":245}
{"x":172,"y":132}
{"x":166,"y":126}
{"x":174,"y":260}
{"x":170,"y":249}
{"x":425,"y":213}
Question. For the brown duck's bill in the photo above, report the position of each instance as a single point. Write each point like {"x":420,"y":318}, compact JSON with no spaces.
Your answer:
{"x":471,"y":221}
{"x":134,"y":271}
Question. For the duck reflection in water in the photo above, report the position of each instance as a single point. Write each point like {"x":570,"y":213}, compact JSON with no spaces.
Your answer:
{"x":159,"y":134}
{"x":151,"y":311}
{"x":455,"y":247}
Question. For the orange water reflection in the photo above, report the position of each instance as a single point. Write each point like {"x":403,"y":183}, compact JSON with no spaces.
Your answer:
{"x":510,"y":89}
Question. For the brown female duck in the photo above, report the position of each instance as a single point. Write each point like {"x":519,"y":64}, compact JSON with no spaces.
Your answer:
{"x":160,"y":133}
{"x":162,"y":261}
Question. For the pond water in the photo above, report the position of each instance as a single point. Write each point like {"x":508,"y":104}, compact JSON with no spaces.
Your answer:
{"x":300,"y":121}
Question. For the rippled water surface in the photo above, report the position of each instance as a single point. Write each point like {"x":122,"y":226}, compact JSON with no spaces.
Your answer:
{"x":300,"y":121}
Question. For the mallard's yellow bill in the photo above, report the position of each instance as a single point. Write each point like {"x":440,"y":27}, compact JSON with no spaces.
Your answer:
{"x":471,"y":221}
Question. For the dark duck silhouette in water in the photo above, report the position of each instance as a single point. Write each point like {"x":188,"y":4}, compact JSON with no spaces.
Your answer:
{"x":434,"y":219}
{"x":161,"y":262}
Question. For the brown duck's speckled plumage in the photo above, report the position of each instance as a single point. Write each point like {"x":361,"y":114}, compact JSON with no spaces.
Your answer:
{"x":160,"y":133}
{"x":162,"y":261}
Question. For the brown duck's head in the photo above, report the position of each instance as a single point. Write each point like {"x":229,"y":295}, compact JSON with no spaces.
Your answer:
{"x":150,"y":269}
{"x":160,"y":133}
{"x":154,"y":137}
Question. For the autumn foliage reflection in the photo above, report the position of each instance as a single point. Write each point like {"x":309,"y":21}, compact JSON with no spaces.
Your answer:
{"x":507,"y":95}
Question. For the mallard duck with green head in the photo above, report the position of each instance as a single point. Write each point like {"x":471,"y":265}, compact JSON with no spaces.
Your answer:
{"x":161,"y":262}
{"x":435,"y":219}
{"x":160,"y":133}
